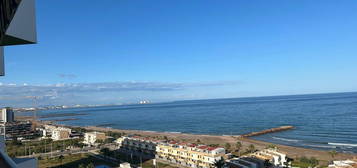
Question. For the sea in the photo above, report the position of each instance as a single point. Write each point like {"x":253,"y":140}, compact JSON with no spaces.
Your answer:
{"x":321,"y":121}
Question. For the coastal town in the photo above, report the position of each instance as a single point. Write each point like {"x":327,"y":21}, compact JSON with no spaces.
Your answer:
{"x":34,"y":143}
{"x":178,"y":84}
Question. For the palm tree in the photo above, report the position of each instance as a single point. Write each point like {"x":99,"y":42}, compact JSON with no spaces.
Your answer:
{"x":82,"y":166}
{"x":271,"y":146}
{"x":238,"y":145}
{"x":61,"y":159}
{"x":251,"y":148}
{"x":219,"y":163}
{"x":227,"y":146}
{"x":333,"y":153}
{"x":90,"y":165}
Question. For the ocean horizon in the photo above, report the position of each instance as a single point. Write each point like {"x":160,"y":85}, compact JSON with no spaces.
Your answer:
{"x":321,"y":121}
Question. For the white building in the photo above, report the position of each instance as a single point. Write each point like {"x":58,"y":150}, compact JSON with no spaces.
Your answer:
{"x":137,"y":144}
{"x":125,"y":165}
{"x":275,"y":157}
{"x":189,"y":155}
{"x":60,"y":133}
{"x":344,"y":164}
{"x":7,"y":115}
{"x":47,"y":130}
{"x":91,"y":138}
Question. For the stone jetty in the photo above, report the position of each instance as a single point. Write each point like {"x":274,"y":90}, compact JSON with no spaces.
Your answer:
{"x":267,"y":131}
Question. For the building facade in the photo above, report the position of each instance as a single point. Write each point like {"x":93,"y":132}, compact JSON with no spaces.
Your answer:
{"x":90,"y":138}
{"x":273,"y":156}
{"x":138,"y":145}
{"x":17,"y":25}
{"x":189,"y":155}
{"x":60,"y":133}
{"x":7,"y":115}
{"x":20,"y":130}
{"x":182,"y":154}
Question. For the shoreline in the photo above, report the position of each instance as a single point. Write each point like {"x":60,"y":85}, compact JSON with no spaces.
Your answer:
{"x":291,"y":151}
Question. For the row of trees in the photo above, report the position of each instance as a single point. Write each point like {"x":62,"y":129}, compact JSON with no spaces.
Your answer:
{"x":239,"y":146}
{"x":90,"y":165}
{"x":15,"y":148}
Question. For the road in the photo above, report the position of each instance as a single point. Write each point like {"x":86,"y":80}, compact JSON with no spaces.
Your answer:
{"x":70,"y":151}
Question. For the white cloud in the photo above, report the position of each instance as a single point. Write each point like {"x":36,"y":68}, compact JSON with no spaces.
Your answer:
{"x":62,"y":93}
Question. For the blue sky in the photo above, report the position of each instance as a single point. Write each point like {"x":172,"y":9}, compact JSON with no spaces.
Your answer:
{"x":193,"y":49}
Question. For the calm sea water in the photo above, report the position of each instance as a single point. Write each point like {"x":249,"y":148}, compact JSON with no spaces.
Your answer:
{"x":322,"y":121}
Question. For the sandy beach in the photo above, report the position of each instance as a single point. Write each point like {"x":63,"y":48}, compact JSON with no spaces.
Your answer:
{"x":293,"y":152}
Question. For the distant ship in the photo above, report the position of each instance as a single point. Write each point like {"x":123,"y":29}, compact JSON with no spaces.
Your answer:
{"x":144,"y":102}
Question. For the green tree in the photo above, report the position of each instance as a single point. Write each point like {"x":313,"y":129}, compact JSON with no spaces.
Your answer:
{"x":238,"y":145}
{"x":105,"y":151}
{"x":314,"y":162}
{"x":61,"y":159}
{"x":82,"y":166}
{"x":15,"y":142}
{"x":251,"y":148}
{"x":267,"y":163}
{"x":219,"y":163}
{"x":271,"y":146}
{"x":227,"y":146}
{"x":198,"y":141}
{"x":309,"y":162}
{"x":213,"y":145}
{"x":90,"y":165}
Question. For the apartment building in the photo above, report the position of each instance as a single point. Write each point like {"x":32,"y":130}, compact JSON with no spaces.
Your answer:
{"x":56,"y":133}
{"x":20,"y":130}
{"x":138,"y":144}
{"x":7,"y":115}
{"x":60,"y":133}
{"x":47,"y":130}
{"x":90,"y":138}
{"x":183,"y":154}
{"x":189,"y":155}
{"x":274,"y":157}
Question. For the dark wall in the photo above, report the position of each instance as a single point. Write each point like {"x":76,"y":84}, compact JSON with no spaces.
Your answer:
{"x":7,"y":12}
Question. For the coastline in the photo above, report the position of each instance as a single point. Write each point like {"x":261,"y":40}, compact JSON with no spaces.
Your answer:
{"x":293,"y":152}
